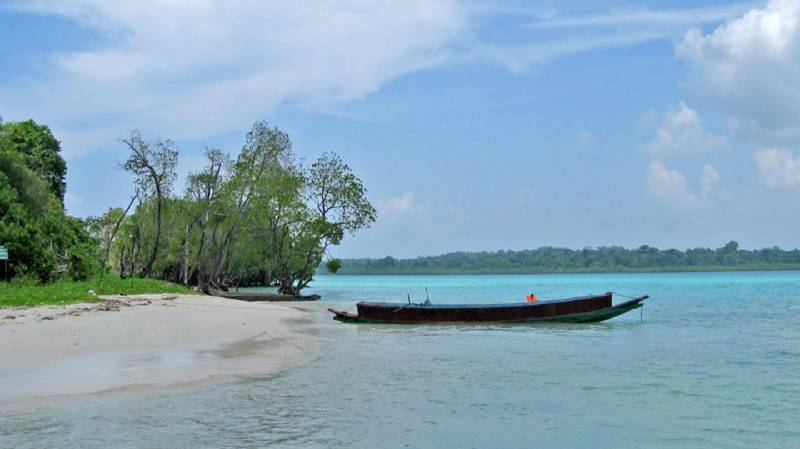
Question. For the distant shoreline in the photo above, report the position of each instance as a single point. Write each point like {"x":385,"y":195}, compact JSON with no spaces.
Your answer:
{"x":605,"y":259}
{"x":616,"y":270}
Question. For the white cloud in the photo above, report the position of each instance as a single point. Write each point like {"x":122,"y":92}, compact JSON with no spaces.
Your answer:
{"x":191,"y":69}
{"x":778,"y":168}
{"x":670,"y":186}
{"x":708,"y":180}
{"x":577,"y":32}
{"x":521,"y":56}
{"x":644,"y":17}
{"x":196,"y":69}
{"x":750,"y":68}
{"x":397,"y":206}
{"x":681,"y":132}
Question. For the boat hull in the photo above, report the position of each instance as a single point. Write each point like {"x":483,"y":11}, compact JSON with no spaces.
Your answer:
{"x":586,"y":309}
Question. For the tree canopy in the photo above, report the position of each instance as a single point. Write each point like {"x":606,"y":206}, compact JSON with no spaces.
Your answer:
{"x":41,"y":151}
{"x":260,"y":217}
{"x":43,"y":243}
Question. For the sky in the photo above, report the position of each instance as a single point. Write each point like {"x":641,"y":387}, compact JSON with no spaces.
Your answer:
{"x":474,"y":125}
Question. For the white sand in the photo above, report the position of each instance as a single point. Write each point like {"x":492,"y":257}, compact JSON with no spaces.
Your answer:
{"x":146,"y":340}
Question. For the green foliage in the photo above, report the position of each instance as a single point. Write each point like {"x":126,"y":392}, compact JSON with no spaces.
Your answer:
{"x":338,"y":195}
{"x":588,"y":260}
{"x":40,"y":150}
{"x":82,"y":261}
{"x":153,"y":164}
{"x":22,"y":291}
{"x":103,"y":228}
{"x":258,"y":219}
{"x":261,"y":218}
{"x":333,"y":265}
{"x":43,"y":243}
{"x":30,"y":189}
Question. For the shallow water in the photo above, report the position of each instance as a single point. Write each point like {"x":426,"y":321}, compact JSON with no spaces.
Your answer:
{"x":715,"y":363}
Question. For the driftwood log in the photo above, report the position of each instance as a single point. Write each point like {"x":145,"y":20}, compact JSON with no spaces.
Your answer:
{"x":260,"y":296}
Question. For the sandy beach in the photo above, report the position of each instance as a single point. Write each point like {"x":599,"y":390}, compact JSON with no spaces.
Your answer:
{"x":145,"y":340}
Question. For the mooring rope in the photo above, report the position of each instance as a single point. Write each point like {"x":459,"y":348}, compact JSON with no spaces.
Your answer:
{"x":624,"y":296}
{"x":641,"y":306}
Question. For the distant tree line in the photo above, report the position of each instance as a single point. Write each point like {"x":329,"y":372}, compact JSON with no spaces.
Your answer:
{"x":257,"y":218}
{"x":588,"y":260}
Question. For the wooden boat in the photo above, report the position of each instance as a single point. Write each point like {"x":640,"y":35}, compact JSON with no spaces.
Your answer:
{"x":261,"y":296}
{"x":584,"y":309}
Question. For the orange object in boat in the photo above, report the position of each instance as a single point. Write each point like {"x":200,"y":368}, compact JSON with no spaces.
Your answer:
{"x":532,"y":298}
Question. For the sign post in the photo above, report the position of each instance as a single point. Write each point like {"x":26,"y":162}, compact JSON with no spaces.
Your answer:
{"x":4,"y":258}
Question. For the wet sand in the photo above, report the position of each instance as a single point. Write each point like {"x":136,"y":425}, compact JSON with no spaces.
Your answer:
{"x":144,"y":341}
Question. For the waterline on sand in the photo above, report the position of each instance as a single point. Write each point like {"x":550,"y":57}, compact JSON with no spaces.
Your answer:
{"x":148,"y":340}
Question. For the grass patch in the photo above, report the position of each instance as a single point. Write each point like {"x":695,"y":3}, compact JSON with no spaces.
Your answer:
{"x":62,"y":292}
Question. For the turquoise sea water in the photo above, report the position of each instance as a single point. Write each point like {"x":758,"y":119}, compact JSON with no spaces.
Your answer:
{"x":715,"y":363}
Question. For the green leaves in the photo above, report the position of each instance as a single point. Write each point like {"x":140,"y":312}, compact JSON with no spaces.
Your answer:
{"x":29,"y":187}
{"x":261,"y":218}
{"x":40,"y":151}
{"x":40,"y":240}
{"x":152,"y":162}
{"x":337,"y":194}
{"x":43,"y":243}
{"x":333,"y":265}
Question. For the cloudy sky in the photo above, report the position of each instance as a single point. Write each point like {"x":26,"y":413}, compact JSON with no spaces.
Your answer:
{"x":475,"y":125}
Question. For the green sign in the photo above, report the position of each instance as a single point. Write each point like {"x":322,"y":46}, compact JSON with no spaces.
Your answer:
{"x":3,"y":253}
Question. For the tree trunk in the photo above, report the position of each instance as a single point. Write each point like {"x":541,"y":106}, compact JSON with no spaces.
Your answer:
{"x":116,"y":228}
{"x":199,"y":259}
{"x":287,"y":287}
{"x":135,"y":250}
{"x":122,"y":262}
{"x":185,"y":271}
{"x":148,"y":268}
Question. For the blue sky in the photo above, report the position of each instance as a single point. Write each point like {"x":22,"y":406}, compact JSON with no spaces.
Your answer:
{"x":475,"y":125}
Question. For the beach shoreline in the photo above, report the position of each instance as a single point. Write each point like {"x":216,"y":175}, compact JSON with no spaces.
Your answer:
{"x":147,"y":341}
